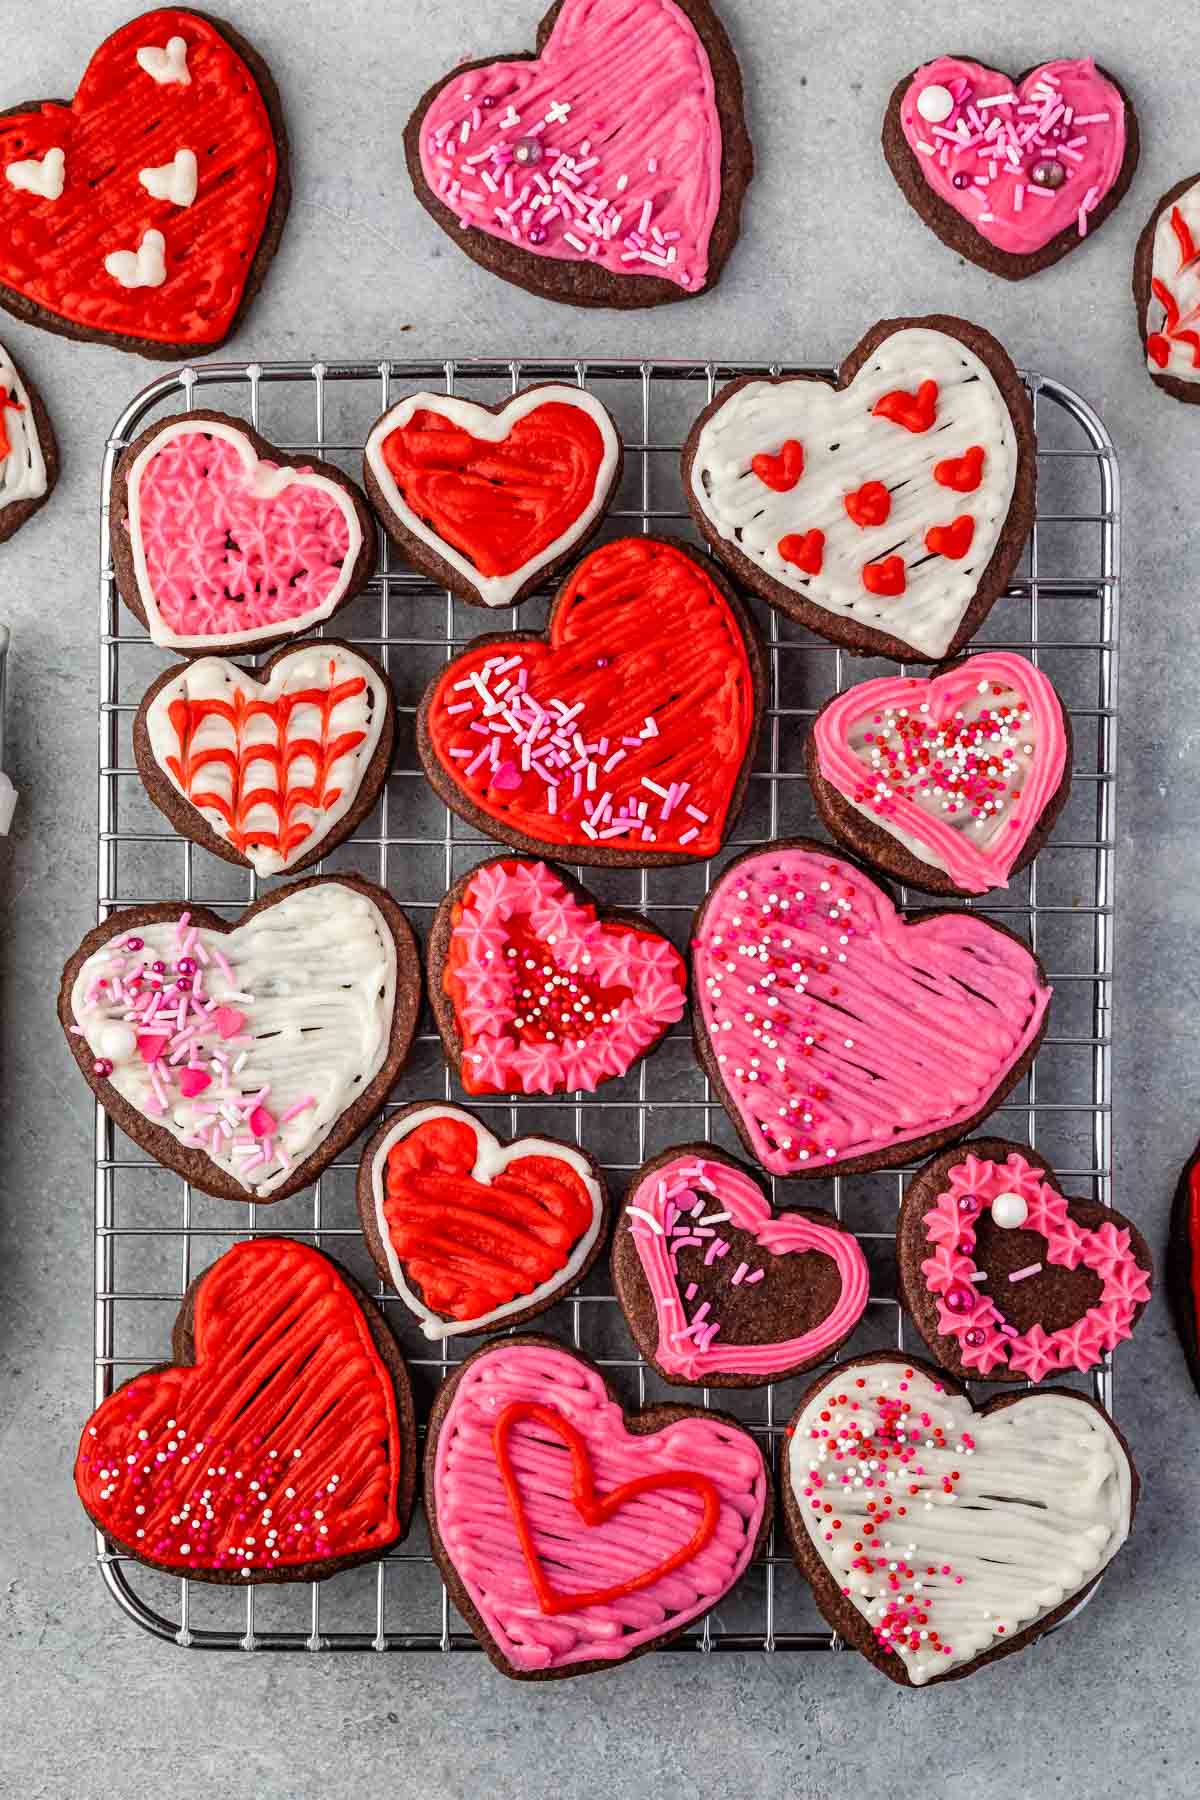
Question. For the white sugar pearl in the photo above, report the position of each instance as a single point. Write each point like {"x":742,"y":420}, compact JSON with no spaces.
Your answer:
{"x":935,"y":103}
{"x":117,"y":1042}
{"x":1009,"y":1211}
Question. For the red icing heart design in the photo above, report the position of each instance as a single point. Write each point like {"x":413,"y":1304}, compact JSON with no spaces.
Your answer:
{"x":59,"y":249}
{"x":884,"y":577}
{"x":953,"y":540}
{"x":869,"y":505}
{"x":783,"y":470}
{"x":471,"y":1231}
{"x":962,"y":473}
{"x":805,"y":549}
{"x":545,"y":994}
{"x":625,"y":733}
{"x":915,"y":412}
{"x":273,"y":1446}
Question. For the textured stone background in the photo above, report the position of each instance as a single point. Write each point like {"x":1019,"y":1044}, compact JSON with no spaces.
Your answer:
{"x":89,"y":1706}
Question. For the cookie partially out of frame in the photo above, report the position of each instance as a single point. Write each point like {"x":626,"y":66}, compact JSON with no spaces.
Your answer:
{"x":1007,"y":1277}
{"x":884,"y":510}
{"x":950,"y":783}
{"x":1183,"y":1263}
{"x":317,"y":989}
{"x":268,"y":768}
{"x":278,"y":1444}
{"x":1013,"y":175}
{"x":222,"y":542}
{"x":992,"y":1525}
{"x":145,"y":212}
{"x":628,"y":727}
{"x":573,"y":1536}
{"x":1166,"y":291}
{"x":477,"y":1232}
{"x":538,"y":989}
{"x":633,"y":105}
{"x":28,"y":448}
{"x":492,"y":501}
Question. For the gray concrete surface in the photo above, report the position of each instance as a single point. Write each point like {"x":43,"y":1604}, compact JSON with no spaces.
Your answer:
{"x":88,"y":1705}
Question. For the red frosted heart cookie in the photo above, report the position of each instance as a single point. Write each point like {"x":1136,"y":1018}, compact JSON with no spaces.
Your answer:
{"x":473,"y":1232}
{"x":491,"y":500}
{"x":625,"y":732}
{"x":538,"y":990}
{"x":279,"y":1444}
{"x":144,"y":213}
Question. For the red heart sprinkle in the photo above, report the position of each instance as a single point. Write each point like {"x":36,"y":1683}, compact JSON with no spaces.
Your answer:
{"x":151,"y":1044}
{"x":916,"y":412}
{"x":885,"y":577}
{"x":262,"y":1123}
{"x":783,"y":471}
{"x":228,"y":1021}
{"x":952,"y":540}
{"x":805,"y":549}
{"x":868,"y":505}
{"x":962,"y":473}
{"x":193,"y":1082}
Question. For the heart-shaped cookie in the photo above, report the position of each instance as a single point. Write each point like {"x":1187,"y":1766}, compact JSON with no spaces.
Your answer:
{"x":246,"y":1056}
{"x":719,"y":1289}
{"x":1004,"y":1276}
{"x":949,"y":783}
{"x":928,"y":418}
{"x":269,"y":768}
{"x":840,"y":1035}
{"x":624,"y":732}
{"x":490,"y":501}
{"x":144,"y":212}
{"x":1166,"y":290}
{"x":222,"y":542}
{"x":1012,"y":175}
{"x":473,"y":1232}
{"x":1183,"y":1263}
{"x":606,"y":170}
{"x":973,"y":1532}
{"x":28,"y":449}
{"x":573,"y":1536}
{"x":539,"y":990}
{"x":279,"y":1444}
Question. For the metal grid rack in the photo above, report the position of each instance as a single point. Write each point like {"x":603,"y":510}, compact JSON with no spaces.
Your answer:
{"x":153,"y":1233}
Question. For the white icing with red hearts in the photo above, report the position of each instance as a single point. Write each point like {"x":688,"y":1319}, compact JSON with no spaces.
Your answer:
{"x":1172,"y":320}
{"x":23,"y":469}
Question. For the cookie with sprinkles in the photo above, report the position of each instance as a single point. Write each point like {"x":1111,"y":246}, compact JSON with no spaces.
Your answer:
{"x":950,"y":783}
{"x":278,"y":1444}
{"x":1013,"y":175}
{"x":721,"y":1290}
{"x":937,"y":1536}
{"x":840,"y":1034}
{"x":1183,"y":1263}
{"x":624,"y":733}
{"x":538,"y":989}
{"x":1005,"y":1276}
{"x":28,"y":448}
{"x":244,"y":1056}
{"x":1166,"y":291}
{"x":605,"y":168}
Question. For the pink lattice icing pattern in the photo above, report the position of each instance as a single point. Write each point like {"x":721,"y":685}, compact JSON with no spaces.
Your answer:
{"x":548,"y":997}
{"x":838,"y":1030}
{"x":605,"y":149}
{"x":984,"y":1338}
{"x":227,"y":548}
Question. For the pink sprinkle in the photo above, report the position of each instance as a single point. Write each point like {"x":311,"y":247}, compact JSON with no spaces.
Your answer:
{"x":689,"y":1292}
{"x":1025,"y":1273}
{"x":757,"y":1276}
{"x":228,"y":1021}
{"x":739,"y":1274}
{"x":223,"y":964}
{"x":261,"y":1123}
{"x":506,"y":777}
{"x":714,"y":1250}
{"x":299,"y":1107}
{"x":702,"y":1313}
{"x":193,"y":1082}
{"x":151,"y":1044}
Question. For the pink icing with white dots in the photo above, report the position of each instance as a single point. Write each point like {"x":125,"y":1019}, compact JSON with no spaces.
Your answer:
{"x":625,"y":164}
{"x":983,"y":1337}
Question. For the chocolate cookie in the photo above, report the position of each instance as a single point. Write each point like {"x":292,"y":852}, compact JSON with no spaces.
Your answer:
{"x":276,"y":543}
{"x":719,"y":1289}
{"x":950,"y":783}
{"x":278,"y":1444}
{"x":885,"y":510}
{"x":1183,"y":1263}
{"x":272,"y":767}
{"x":624,"y":733}
{"x":316,"y":989}
{"x":1005,"y":1276}
{"x":1012,"y":175}
{"x":606,"y":168}
{"x":1166,"y":291}
{"x":144,"y":212}
{"x":28,"y":448}
{"x":572,"y":1536}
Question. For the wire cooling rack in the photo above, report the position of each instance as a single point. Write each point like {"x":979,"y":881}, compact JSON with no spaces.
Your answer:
{"x":154,"y":1234}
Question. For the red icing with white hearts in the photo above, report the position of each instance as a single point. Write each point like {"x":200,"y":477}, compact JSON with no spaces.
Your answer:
{"x":54,"y":247}
{"x":548,"y":997}
{"x":980,"y":155}
{"x":983,"y":1338}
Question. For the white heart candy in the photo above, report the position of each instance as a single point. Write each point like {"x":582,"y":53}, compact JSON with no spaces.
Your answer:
{"x":165,"y":65}
{"x":175,"y":181}
{"x":45,"y":177}
{"x":144,"y":267}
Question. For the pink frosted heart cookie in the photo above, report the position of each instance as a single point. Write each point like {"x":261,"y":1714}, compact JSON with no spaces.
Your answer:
{"x":840,"y":1035}
{"x":949,"y":783}
{"x":605,"y":169}
{"x":1011,"y":174}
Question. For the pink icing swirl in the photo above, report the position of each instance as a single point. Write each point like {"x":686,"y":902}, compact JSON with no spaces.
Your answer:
{"x":983,"y":1337}
{"x":838,"y":1030}
{"x":671,"y":1192}
{"x":476,"y":1525}
{"x":621,"y":109}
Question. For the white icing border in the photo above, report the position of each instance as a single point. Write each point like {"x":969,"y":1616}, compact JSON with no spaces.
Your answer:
{"x":26,"y":452}
{"x":491,"y":1158}
{"x":267,"y":486}
{"x":494,"y":590}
